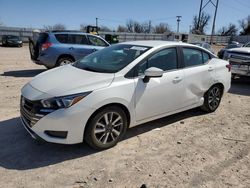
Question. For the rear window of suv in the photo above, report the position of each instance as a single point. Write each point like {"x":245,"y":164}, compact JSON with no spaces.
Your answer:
{"x":62,"y":38}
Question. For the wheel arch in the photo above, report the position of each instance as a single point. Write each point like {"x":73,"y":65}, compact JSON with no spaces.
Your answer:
{"x":64,"y":56}
{"x":120,"y":105}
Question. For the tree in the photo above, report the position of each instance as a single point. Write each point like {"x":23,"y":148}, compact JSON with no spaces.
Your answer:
{"x":230,"y":30}
{"x":130,"y":26}
{"x":121,"y":28}
{"x":83,"y":27}
{"x":104,"y":28}
{"x":199,"y":26}
{"x":245,"y":26}
{"x":58,"y":26}
{"x":161,"y":28}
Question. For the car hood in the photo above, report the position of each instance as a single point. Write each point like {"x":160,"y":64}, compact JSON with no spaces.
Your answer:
{"x":68,"y":80}
{"x":241,"y":50}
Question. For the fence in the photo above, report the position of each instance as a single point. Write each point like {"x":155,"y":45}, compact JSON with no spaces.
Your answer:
{"x":25,"y":33}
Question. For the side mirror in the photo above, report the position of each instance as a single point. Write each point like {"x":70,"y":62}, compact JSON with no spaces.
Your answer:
{"x":152,"y":72}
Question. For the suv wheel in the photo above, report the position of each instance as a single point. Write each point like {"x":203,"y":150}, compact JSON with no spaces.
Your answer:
{"x":212,"y":99}
{"x":64,"y":61}
{"x":106,"y":128}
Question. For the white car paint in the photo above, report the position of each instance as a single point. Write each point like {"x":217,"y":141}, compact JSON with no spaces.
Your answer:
{"x":177,"y":90}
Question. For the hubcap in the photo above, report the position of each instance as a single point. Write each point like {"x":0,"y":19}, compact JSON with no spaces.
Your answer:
{"x":214,"y":98}
{"x":65,"y":62}
{"x":108,"y":127}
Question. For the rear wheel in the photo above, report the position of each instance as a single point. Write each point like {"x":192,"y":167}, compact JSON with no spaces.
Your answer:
{"x":106,"y":128}
{"x":64,"y":61}
{"x":212,"y":99}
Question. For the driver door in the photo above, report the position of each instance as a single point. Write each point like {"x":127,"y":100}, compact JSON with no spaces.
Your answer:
{"x":160,"y":95}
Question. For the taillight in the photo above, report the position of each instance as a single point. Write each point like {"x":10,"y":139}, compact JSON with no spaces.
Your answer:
{"x":46,"y":45}
{"x":229,"y":66}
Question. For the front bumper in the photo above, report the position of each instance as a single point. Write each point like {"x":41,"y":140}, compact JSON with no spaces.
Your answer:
{"x":71,"y":121}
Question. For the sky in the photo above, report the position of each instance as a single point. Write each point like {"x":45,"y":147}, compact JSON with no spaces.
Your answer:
{"x":111,"y":13}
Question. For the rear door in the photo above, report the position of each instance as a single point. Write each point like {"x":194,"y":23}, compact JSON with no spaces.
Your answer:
{"x":79,"y":45}
{"x":199,"y":74}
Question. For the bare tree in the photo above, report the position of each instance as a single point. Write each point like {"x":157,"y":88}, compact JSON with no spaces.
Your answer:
{"x":245,"y":26}
{"x":121,"y":28}
{"x":58,"y":26}
{"x":161,"y":28}
{"x":199,"y":26}
{"x":83,"y":27}
{"x":130,"y":26}
{"x":230,"y":30}
{"x":105,"y":28}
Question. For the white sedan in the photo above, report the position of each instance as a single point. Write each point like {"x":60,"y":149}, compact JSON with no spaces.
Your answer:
{"x":99,"y":97}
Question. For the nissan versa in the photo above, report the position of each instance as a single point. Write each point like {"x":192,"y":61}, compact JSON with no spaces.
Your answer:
{"x":99,"y":97}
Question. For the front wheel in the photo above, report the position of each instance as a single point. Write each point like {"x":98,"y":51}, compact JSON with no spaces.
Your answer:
{"x":106,"y":128}
{"x":212,"y":99}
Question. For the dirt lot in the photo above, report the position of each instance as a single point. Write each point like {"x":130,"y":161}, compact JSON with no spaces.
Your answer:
{"x":190,"y":149}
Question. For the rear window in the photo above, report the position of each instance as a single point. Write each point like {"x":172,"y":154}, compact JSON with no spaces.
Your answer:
{"x":62,"y":38}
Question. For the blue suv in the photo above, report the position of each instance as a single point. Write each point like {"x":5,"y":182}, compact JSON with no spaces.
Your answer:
{"x":58,"y":48}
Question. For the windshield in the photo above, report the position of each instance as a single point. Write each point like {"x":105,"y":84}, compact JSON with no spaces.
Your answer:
{"x":13,"y":37}
{"x":111,"y":59}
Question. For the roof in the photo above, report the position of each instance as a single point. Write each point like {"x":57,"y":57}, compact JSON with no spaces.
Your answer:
{"x":156,"y":43}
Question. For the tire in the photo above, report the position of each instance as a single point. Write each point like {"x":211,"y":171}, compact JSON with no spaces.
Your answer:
{"x":64,"y":61}
{"x":106,"y":128}
{"x":212,"y":98}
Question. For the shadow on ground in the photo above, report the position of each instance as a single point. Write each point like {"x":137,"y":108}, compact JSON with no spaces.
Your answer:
{"x":23,"y":73}
{"x":240,"y":86}
{"x":19,"y":151}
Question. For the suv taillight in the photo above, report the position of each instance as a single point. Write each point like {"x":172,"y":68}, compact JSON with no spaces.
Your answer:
{"x":229,"y":66}
{"x":46,"y":45}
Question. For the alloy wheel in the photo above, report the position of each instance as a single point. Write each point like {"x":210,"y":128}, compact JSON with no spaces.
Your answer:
{"x":214,"y":98}
{"x":108,"y":128}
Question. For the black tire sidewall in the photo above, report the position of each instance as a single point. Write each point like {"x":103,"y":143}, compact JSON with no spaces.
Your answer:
{"x":206,"y":104}
{"x":89,"y":131}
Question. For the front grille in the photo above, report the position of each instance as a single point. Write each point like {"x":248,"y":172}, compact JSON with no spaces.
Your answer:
{"x":31,"y":111}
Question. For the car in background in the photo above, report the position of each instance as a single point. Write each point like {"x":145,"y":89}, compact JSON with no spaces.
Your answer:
{"x":97,"y":98}
{"x":239,"y":58}
{"x":11,"y":40}
{"x":56,"y":48}
{"x":229,"y":46}
{"x":203,"y":45}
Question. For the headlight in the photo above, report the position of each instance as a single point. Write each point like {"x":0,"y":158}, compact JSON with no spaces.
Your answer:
{"x":226,"y":55}
{"x":64,"y":101}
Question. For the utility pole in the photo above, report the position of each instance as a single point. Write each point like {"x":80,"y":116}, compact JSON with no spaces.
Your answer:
{"x":149,"y":26}
{"x":178,"y":22}
{"x":199,"y":17}
{"x":96,"y":22}
{"x":215,"y":13}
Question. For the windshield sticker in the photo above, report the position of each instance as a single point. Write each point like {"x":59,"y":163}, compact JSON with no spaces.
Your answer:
{"x":138,"y":48}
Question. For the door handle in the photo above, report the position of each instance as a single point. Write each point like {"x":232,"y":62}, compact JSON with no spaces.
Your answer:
{"x":210,"y":69}
{"x":94,"y":50}
{"x":177,"y":79}
{"x":71,"y":48}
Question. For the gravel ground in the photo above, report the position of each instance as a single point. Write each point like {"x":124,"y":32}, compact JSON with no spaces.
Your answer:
{"x":189,"y":149}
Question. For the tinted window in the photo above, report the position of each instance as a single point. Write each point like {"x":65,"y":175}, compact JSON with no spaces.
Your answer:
{"x":206,"y":57}
{"x":165,"y":59}
{"x":77,"y":39}
{"x":192,"y":57}
{"x":96,"y":41}
{"x":62,"y":38}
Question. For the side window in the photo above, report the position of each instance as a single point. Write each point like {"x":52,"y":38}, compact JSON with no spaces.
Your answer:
{"x":78,"y":39}
{"x":62,"y":38}
{"x":165,"y":59}
{"x":206,"y":57}
{"x":192,"y":57}
{"x":96,"y":41}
